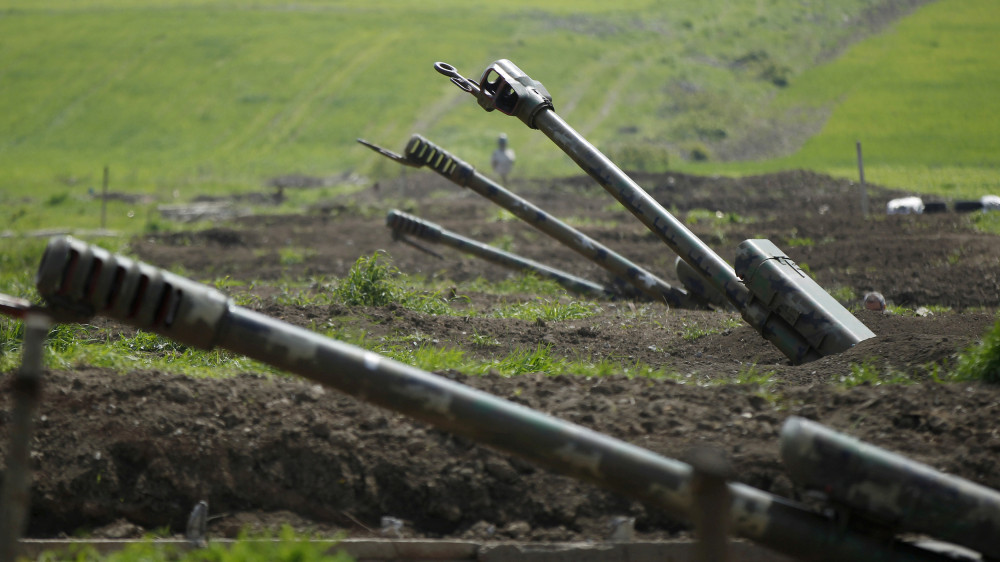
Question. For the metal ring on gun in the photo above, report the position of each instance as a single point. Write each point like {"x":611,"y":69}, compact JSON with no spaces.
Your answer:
{"x":456,"y":78}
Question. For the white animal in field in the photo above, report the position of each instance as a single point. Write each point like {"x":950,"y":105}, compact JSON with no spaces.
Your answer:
{"x":905,"y":206}
{"x":502,"y":159}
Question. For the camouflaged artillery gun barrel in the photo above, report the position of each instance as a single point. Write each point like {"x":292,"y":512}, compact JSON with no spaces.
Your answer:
{"x":402,"y":224}
{"x":422,"y":152}
{"x":78,"y":280}
{"x":783,"y":304}
{"x":889,"y":489}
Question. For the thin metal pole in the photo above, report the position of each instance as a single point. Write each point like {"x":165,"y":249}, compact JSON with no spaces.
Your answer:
{"x":27,"y":388}
{"x":710,"y":510}
{"x":104,"y":199}
{"x":861,"y":174}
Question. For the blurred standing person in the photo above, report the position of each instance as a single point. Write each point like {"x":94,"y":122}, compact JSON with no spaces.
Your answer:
{"x":502,"y":159}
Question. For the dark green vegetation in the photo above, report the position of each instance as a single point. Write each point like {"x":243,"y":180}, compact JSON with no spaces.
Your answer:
{"x":982,"y":361}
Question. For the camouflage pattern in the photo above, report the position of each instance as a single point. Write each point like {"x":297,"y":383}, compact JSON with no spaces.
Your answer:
{"x":698,"y":287}
{"x":403,"y":223}
{"x":783,"y":288}
{"x":881,"y":486}
{"x":563,"y":447}
{"x":422,"y":152}
{"x":705,"y":262}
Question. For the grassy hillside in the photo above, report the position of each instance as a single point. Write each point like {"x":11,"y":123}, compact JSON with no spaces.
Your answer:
{"x":921,"y":97}
{"x":209,"y":95}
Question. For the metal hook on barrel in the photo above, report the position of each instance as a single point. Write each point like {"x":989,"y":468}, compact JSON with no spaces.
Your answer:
{"x":390,"y":154}
{"x":456,"y":78}
{"x":15,"y":307}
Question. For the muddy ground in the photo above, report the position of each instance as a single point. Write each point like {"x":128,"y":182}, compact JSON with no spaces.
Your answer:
{"x":124,"y":454}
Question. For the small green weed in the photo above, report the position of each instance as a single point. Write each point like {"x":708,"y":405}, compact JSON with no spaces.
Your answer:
{"x":367,"y":283}
{"x":503,"y":215}
{"x":483,"y":340}
{"x":691,"y":331}
{"x":520,"y":361}
{"x":370,"y":283}
{"x":751,"y":375}
{"x":986,"y":222}
{"x":844,"y":294}
{"x":426,"y":356}
{"x":955,"y":256}
{"x":11,"y":335}
{"x":227,"y":283}
{"x":504,"y":242}
{"x":898,"y":309}
{"x":294,"y":256}
{"x":870,"y":373}
{"x":982,"y":360}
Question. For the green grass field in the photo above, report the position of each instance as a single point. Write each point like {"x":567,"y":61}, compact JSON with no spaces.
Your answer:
{"x":921,"y":98}
{"x":185,"y":97}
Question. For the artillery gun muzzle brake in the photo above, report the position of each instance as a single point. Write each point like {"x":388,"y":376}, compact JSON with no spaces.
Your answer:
{"x":504,"y":87}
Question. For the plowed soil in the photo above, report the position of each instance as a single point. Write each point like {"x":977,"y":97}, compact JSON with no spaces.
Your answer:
{"x":122,"y":454}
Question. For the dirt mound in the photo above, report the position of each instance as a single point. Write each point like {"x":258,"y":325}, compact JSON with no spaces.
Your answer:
{"x":137,"y":451}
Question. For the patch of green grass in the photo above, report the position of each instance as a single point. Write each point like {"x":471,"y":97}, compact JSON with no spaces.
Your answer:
{"x":213,"y":97}
{"x":795,"y":242}
{"x":546,"y":310}
{"x":844,"y":294}
{"x":294,"y":256}
{"x":286,"y":546}
{"x":987,"y":222}
{"x":426,"y":355}
{"x":869,"y":372}
{"x":11,"y":335}
{"x":752,"y":375}
{"x":542,"y":360}
{"x":70,"y":345}
{"x":483,"y":340}
{"x":982,"y":360}
{"x":521,"y":361}
{"x":696,"y":216}
{"x":920,"y":99}
{"x":691,"y":330}
{"x":503,"y":215}
{"x":938,"y":309}
{"x":505,"y":242}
